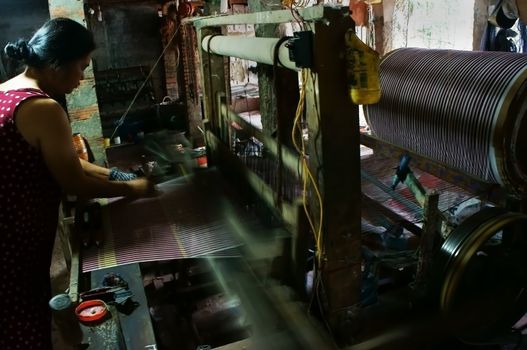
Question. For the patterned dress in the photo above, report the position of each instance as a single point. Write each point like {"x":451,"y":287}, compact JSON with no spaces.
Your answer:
{"x":29,"y":200}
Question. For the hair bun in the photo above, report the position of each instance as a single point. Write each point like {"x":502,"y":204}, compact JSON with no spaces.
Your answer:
{"x":19,"y":50}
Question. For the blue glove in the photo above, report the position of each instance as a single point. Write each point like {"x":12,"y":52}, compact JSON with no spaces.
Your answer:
{"x":118,"y":175}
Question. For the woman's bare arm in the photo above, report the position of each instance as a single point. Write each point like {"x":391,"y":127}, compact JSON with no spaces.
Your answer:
{"x":94,"y":170}
{"x":43,"y":123}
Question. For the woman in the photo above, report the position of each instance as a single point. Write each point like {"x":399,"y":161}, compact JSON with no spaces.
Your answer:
{"x":38,"y":160}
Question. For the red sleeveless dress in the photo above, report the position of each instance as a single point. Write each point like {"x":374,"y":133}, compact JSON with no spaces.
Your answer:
{"x":29,"y":201}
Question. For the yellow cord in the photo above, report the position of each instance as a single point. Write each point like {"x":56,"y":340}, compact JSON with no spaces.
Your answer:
{"x":301,"y":149}
{"x":293,"y":4}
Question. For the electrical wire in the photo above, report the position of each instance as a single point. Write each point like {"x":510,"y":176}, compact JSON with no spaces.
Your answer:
{"x":298,"y":18}
{"x":371,"y":26}
{"x":308,"y":178}
{"x":120,"y":122}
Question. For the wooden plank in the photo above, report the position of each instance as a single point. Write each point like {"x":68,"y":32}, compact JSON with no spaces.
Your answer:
{"x":374,"y":206}
{"x":63,"y":232}
{"x":75,"y":269}
{"x":264,"y":17}
{"x":416,"y":188}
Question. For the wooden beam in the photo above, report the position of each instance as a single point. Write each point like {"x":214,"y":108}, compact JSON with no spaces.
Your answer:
{"x":266,"y":17}
{"x":334,"y":159}
{"x":374,"y":206}
{"x":75,"y":269}
{"x":266,"y":91}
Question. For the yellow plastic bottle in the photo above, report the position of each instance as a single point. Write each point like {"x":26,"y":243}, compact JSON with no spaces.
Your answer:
{"x":362,"y":64}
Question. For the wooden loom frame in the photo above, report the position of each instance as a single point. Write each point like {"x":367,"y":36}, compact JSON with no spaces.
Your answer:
{"x":334,"y":128}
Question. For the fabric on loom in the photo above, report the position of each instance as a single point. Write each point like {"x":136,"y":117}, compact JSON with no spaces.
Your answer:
{"x":186,"y":221}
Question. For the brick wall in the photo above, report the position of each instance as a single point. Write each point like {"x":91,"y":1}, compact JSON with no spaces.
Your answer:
{"x":82,"y":103}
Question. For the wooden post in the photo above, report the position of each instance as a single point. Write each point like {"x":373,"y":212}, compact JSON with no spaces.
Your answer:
{"x":334,"y":160}
{"x":224,"y":125}
{"x":267,"y":94}
{"x":188,"y":77}
{"x":213,"y":79}
{"x":416,"y":188}
{"x":334,"y":130}
{"x":429,"y":237}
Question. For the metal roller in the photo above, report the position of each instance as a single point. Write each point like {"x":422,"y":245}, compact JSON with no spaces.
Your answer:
{"x":479,"y":277}
{"x":463,"y":109}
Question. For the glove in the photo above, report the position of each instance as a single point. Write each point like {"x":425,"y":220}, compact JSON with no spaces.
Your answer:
{"x":118,"y":175}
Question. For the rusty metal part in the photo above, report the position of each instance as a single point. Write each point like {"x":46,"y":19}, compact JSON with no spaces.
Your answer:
{"x":460,"y":108}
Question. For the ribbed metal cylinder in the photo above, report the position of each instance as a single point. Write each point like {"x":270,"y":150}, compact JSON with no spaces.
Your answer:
{"x":463,"y":109}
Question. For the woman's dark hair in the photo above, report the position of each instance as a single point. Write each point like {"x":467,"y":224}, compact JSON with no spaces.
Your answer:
{"x":58,"y":41}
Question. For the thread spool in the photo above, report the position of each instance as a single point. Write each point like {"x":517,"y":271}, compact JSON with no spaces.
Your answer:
{"x":468,"y":111}
{"x":80,"y":146}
